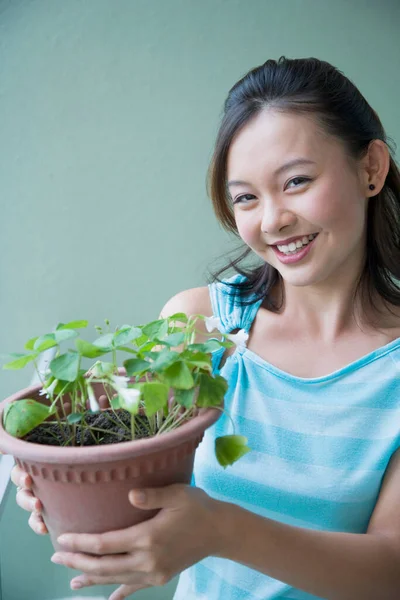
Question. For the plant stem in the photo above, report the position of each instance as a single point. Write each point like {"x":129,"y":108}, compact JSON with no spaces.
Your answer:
{"x":139,"y":421}
{"x":90,"y":431}
{"x":114,"y":412}
{"x":60,"y":423}
{"x":228,"y":415}
{"x":54,"y":435}
{"x":119,"y":422}
{"x":107,"y":431}
{"x":170,"y":417}
{"x":175,"y":423}
{"x":102,"y":431}
{"x":159,"y":417}
{"x":132,"y":427}
{"x":38,"y":372}
{"x":152,"y":423}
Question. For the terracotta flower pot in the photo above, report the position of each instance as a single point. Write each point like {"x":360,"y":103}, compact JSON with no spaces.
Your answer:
{"x":85,"y":489}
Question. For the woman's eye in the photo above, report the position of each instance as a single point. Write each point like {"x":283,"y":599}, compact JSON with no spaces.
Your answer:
{"x":301,"y":179}
{"x":246,"y":198}
{"x":243,"y":198}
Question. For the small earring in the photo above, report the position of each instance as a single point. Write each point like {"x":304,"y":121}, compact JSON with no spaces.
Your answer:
{"x":371,"y":187}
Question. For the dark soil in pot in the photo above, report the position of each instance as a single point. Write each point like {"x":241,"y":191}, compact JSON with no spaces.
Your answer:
{"x":106,"y":427}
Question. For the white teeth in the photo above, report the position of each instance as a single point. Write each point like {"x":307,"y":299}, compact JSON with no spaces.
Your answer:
{"x":294,"y":246}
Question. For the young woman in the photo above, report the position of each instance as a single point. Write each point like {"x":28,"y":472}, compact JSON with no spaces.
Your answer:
{"x":303,"y":173}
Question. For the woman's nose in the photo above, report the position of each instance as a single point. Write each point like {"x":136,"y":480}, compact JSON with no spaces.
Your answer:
{"x":275,"y":218}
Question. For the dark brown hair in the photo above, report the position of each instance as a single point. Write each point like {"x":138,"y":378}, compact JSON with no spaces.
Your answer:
{"x":308,"y":86}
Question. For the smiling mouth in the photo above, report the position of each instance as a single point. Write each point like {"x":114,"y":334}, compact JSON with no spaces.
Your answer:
{"x":295,"y":246}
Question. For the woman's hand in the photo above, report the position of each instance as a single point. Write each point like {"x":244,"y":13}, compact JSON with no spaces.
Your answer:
{"x":186,"y":530}
{"x":27,"y":501}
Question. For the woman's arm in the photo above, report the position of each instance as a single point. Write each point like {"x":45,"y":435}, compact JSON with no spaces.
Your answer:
{"x":335,"y":566}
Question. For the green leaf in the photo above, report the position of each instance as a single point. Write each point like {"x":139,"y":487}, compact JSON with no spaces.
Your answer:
{"x":62,"y":387}
{"x":127,"y":349}
{"x":23,"y":416}
{"x":198,"y":359}
{"x":65,"y":366}
{"x":7,"y":410}
{"x":44,"y":342}
{"x":49,"y":340}
{"x":146,"y":347}
{"x":178,"y":317}
{"x":20,"y":362}
{"x":115,"y":403}
{"x":174,"y":339}
{"x":105,"y":342}
{"x":212,"y":390}
{"x":74,"y":418}
{"x":156,"y":329}
{"x":164,"y":359}
{"x":143,"y":339}
{"x":227,"y":344}
{"x":229,"y":448}
{"x":29,"y":344}
{"x":101,"y":368}
{"x":72,"y":325}
{"x":176,"y":329}
{"x":125,"y":335}
{"x":155,"y":396}
{"x":135,"y":366}
{"x":178,"y":375}
{"x":88,"y":350}
{"x":64,"y":334}
{"x":208,"y":346}
{"x":185,"y":397}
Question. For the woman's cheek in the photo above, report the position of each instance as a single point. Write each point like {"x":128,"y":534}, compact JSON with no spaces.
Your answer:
{"x":247,"y":230}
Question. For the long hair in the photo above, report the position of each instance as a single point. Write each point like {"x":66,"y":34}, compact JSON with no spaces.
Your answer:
{"x":308,"y":86}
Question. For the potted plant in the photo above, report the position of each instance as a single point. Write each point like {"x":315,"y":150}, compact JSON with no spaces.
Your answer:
{"x":89,"y":435}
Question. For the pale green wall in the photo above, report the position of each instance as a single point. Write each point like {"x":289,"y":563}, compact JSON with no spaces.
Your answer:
{"x":108,"y":111}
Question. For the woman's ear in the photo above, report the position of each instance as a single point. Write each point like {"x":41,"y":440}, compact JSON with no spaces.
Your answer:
{"x":375,"y":167}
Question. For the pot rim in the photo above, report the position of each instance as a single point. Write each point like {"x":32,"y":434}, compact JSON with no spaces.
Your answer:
{"x":42,"y":453}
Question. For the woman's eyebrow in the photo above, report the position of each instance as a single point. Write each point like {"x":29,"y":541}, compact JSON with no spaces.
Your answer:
{"x":285,"y":167}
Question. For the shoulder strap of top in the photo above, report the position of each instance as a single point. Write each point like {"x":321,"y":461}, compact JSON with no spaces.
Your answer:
{"x":226,"y":305}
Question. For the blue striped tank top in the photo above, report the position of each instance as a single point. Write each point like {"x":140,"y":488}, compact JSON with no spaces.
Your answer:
{"x":320,"y":447}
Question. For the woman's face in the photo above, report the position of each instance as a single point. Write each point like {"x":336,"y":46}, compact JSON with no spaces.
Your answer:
{"x":324,"y":196}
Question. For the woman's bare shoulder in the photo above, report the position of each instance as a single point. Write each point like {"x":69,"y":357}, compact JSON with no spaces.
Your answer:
{"x":191,"y":302}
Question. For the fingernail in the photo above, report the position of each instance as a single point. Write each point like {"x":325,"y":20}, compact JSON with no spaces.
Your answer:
{"x":139,"y":497}
{"x":56,"y":558}
{"x":76,"y":585}
{"x":63,"y":539}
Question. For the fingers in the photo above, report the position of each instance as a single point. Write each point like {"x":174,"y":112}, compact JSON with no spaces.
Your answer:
{"x":112,"y":542}
{"x":20,"y":478}
{"x":108,"y":566}
{"x":26,"y":499}
{"x":124,"y":591}
{"x":88,"y":580}
{"x":37,"y":524}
